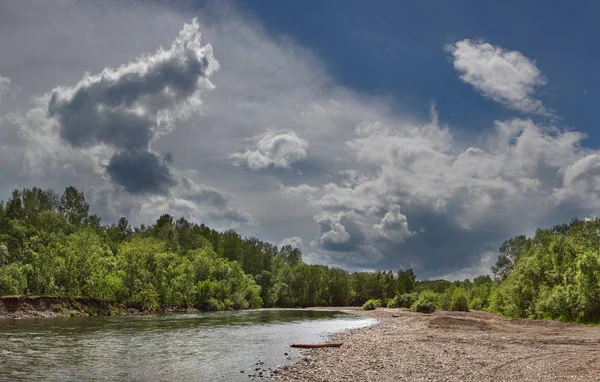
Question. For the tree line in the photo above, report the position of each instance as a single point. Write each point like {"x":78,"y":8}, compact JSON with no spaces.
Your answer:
{"x":51,"y":245}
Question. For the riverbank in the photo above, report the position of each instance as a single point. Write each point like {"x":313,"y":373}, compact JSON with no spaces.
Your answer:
{"x":20,"y":307}
{"x":454,"y":346}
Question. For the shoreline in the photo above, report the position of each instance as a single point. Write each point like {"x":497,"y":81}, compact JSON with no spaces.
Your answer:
{"x":42,"y":307}
{"x":452,"y":346}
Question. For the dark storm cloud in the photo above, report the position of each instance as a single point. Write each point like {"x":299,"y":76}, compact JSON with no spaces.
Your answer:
{"x":127,"y":107}
{"x":140,"y":172}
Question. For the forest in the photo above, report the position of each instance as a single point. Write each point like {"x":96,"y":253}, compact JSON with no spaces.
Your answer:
{"x":50,"y":245}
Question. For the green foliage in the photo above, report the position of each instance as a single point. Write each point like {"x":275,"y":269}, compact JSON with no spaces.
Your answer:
{"x":510,"y":252}
{"x":444,"y":298}
{"x":73,"y":205}
{"x":438,"y":286}
{"x":13,"y":280}
{"x":476,"y":304}
{"x":50,"y":245}
{"x":406,"y":281}
{"x":426,"y":303}
{"x":556,"y":275}
{"x":403,"y":300}
{"x":372,"y":304}
{"x":479,"y":294}
{"x":459,"y":300}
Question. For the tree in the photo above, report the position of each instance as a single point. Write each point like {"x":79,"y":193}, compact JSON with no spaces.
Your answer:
{"x":510,"y":252}
{"x":74,"y":206}
{"x":406,"y":281}
{"x":124,"y":228}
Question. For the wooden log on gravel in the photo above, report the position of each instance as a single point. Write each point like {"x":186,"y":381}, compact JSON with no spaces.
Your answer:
{"x":310,"y":346}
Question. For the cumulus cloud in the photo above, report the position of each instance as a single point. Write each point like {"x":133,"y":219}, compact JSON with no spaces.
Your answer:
{"x":507,"y":77}
{"x":272,"y":149}
{"x":332,"y":234}
{"x":520,"y":169}
{"x":4,"y":86}
{"x":393,"y":226}
{"x":342,"y":238}
{"x":127,"y":107}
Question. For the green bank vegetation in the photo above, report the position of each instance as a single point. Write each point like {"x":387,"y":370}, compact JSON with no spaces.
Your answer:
{"x":51,"y":245}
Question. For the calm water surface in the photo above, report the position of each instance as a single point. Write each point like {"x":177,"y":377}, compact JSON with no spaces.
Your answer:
{"x":184,"y":347}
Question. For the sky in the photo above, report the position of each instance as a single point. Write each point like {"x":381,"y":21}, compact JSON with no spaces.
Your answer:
{"x":372,"y":135}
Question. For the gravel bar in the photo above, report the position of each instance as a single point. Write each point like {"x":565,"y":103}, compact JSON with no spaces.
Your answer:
{"x":453,"y":346}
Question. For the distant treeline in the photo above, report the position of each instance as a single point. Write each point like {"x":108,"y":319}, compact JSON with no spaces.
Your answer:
{"x":51,"y":245}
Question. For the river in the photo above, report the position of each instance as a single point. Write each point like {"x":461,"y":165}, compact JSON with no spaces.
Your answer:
{"x":179,"y":347}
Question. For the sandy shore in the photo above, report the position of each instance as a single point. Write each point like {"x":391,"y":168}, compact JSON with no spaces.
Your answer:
{"x":454,"y":346}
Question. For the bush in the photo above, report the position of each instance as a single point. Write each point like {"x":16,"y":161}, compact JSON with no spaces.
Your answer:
{"x":476,"y":303}
{"x":395,"y":302}
{"x":212,"y":304}
{"x":402,"y":300}
{"x":445,"y":299}
{"x":426,"y":303}
{"x":13,"y":280}
{"x":372,"y":304}
{"x":459,"y":300}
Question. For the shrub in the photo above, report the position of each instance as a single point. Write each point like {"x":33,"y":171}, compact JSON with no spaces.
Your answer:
{"x":476,"y":303}
{"x":402,"y":300}
{"x":372,"y":304}
{"x":212,"y":304}
{"x":445,"y":299}
{"x":13,"y":280}
{"x":395,"y":302}
{"x":459,"y":300}
{"x":426,"y":303}
{"x":239,"y":302}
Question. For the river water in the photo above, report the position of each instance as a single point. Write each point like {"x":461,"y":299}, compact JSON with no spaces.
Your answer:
{"x":181,"y":347}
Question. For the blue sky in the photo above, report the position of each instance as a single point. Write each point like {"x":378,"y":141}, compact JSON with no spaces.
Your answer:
{"x":396,"y":48}
{"x":372,"y":135}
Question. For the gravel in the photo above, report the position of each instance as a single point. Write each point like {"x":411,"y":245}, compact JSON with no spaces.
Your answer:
{"x":453,"y":346}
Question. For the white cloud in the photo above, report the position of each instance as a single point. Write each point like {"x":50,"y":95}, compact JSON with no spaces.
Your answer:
{"x":520,"y":175}
{"x":331,"y":231}
{"x":393,"y":226}
{"x":507,"y":77}
{"x":272,"y":149}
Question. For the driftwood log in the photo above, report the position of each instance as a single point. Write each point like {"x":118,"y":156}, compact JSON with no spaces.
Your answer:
{"x":310,"y":346}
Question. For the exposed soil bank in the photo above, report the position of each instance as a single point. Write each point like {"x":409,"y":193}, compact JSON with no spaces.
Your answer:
{"x":16,"y":307}
{"x":454,"y":346}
